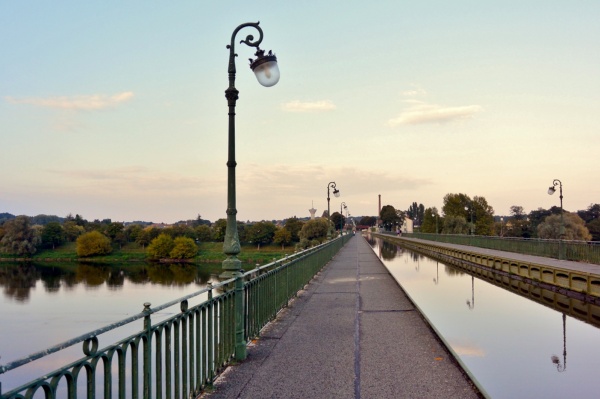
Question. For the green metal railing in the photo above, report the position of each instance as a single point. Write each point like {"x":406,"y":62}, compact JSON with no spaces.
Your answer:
{"x":179,"y":356}
{"x":579,"y":251}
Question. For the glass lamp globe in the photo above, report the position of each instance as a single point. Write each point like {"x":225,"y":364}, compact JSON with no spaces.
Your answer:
{"x":265,"y":68}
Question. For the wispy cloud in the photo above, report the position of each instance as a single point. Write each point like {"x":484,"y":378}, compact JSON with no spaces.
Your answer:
{"x":314,"y":106}
{"x":421,"y":113}
{"x":81,"y":102}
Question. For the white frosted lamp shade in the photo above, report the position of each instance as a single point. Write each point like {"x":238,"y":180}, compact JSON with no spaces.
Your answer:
{"x":551,"y":190}
{"x":267,"y":73}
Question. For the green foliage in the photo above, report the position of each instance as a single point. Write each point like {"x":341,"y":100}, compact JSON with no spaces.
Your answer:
{"x":390,"y":218}
{"x":594,"y":229}
{"x":261,"y":233}
{"x":338,"y":220}
{"x":368,"y":221}
{"x":160,"y":247}
{"x":315,"y":229}
{"x":219,"y":230}
{"x":455,"y":225}
{"x":204,"y":233}
{"x":144,"y":237}
{"x":53,"y":234}
{"x":92,"y":244}
{"x":183,"y":248}
{"x":574,"y":228}
{"x":18,"y":237}
{"x":293,"y":225}
{"x":283,"y":237}
{"x":72,"y":230}
{"x":416,"y":213}
{"x":431,"y":221}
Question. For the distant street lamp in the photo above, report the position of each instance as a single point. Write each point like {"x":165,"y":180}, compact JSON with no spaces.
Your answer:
{"x":552,"y":190}
{"x":467,"y":208}
{"x":336,"y":193}
{"x":267,"y":72}
{"x":501,"y":226}
{"x":342,"y":216}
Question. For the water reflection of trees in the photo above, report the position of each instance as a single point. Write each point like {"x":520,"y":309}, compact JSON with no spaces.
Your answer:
{"x":388,"y":250}
{"x":18,"y":279}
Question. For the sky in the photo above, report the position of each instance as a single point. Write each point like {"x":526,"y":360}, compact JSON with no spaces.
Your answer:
{"x":117,"y":109}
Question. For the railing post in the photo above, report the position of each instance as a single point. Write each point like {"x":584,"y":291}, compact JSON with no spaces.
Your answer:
{"x":240,"y":342}
{"x":147,"y":352}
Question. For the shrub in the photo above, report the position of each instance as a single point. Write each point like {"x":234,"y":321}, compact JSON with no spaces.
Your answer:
{"x":160,"y":247}
{"x":93,"y":243}
{"x":183,"y":248}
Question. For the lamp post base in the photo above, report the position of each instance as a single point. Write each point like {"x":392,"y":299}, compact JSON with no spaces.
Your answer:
{"x":232,"y":266}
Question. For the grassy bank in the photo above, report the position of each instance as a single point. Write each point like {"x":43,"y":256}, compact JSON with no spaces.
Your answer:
{"x":209,"y":252}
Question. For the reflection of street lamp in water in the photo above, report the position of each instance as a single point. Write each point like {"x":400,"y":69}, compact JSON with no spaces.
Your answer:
{"x":471,"y":303}
{"x":555,"y":359}
{"x":436,"y":280}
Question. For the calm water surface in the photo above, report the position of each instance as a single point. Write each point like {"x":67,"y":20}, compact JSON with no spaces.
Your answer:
{"x":42,"y":305}
{"x":514,"y":346}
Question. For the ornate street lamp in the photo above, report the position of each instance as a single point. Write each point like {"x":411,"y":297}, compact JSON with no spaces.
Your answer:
{"x":555,"y":359}
{"x":552,"y":190}
{"x":342,"y":216}
{"x":266,"y":71}
{"x":336,"y":193}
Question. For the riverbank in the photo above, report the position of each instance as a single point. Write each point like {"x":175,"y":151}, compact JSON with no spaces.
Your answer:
{"x":208,"y":252}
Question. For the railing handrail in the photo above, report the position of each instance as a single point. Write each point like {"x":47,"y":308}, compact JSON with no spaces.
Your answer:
{"x":81,"y":338}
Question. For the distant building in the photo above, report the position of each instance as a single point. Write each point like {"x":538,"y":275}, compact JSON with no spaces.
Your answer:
{"x":407,"y":226}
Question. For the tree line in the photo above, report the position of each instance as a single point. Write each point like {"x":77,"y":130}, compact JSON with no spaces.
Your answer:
{"x":461,"y":214}
{"x":21,"y":236}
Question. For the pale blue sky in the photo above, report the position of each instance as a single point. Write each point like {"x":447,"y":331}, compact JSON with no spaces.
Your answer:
{"x":114,"y":110}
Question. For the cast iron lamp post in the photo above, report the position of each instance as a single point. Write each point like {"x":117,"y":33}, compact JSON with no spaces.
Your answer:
{"x":342,"y":216}
{"x":267,"y":72}
{"x":552,"y":190}
{"x":336,"y":193}
{"x":470,"y":209}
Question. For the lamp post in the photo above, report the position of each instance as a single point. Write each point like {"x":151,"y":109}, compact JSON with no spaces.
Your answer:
{"x":501,"y":226}
{"x":342,"y":216}
{"x":267,"y":72}
{"x":552,"y":190}
{"x":336,"y":193}
{"x":470,"y":209}
{"x":555,"y":359}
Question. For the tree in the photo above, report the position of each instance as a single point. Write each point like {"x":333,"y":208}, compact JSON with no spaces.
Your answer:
{"x":594,"y":229}
{"x":591,"y":213}
{"x":338,"y":220}
{"x":53,"y":234}
{"x":72,"y":230}
{"x":293,"y":225}
{"x":574,"y":228}
{"x":389,"y":217}
{"x":455,"y":225}
{"x":93,"y":243}
{"x":19,"y":238}
{"x":368,"y":221}
{"x":517,"y":212}
{"x":261,"y":233}
{"x":219,"y":229}
{"x":315,"y":229}
{"x":431,"y":221}
{"x":204,"y":233}
{"x":416,"y":213}
{"x":455,"y":204}
{"x":283,"y":237}
{"x":132,"y":231}
{"x":160,"y":247}
{"x":483,"y":216}
{"x":183,"y":248}
{"x":144,"y":237}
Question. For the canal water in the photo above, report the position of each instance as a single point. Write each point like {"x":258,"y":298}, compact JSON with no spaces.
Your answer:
{"x":513,"y":345}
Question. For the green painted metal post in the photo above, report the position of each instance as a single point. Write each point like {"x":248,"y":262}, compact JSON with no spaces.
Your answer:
{"x":147,"y":352}
{"x":240,"y":341}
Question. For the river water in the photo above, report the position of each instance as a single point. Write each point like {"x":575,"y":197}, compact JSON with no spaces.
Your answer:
{"x":514,"y":346}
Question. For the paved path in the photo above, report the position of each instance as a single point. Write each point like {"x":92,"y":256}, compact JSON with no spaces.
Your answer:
{"x":352,"y":333}
{"x":583,"y":267}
